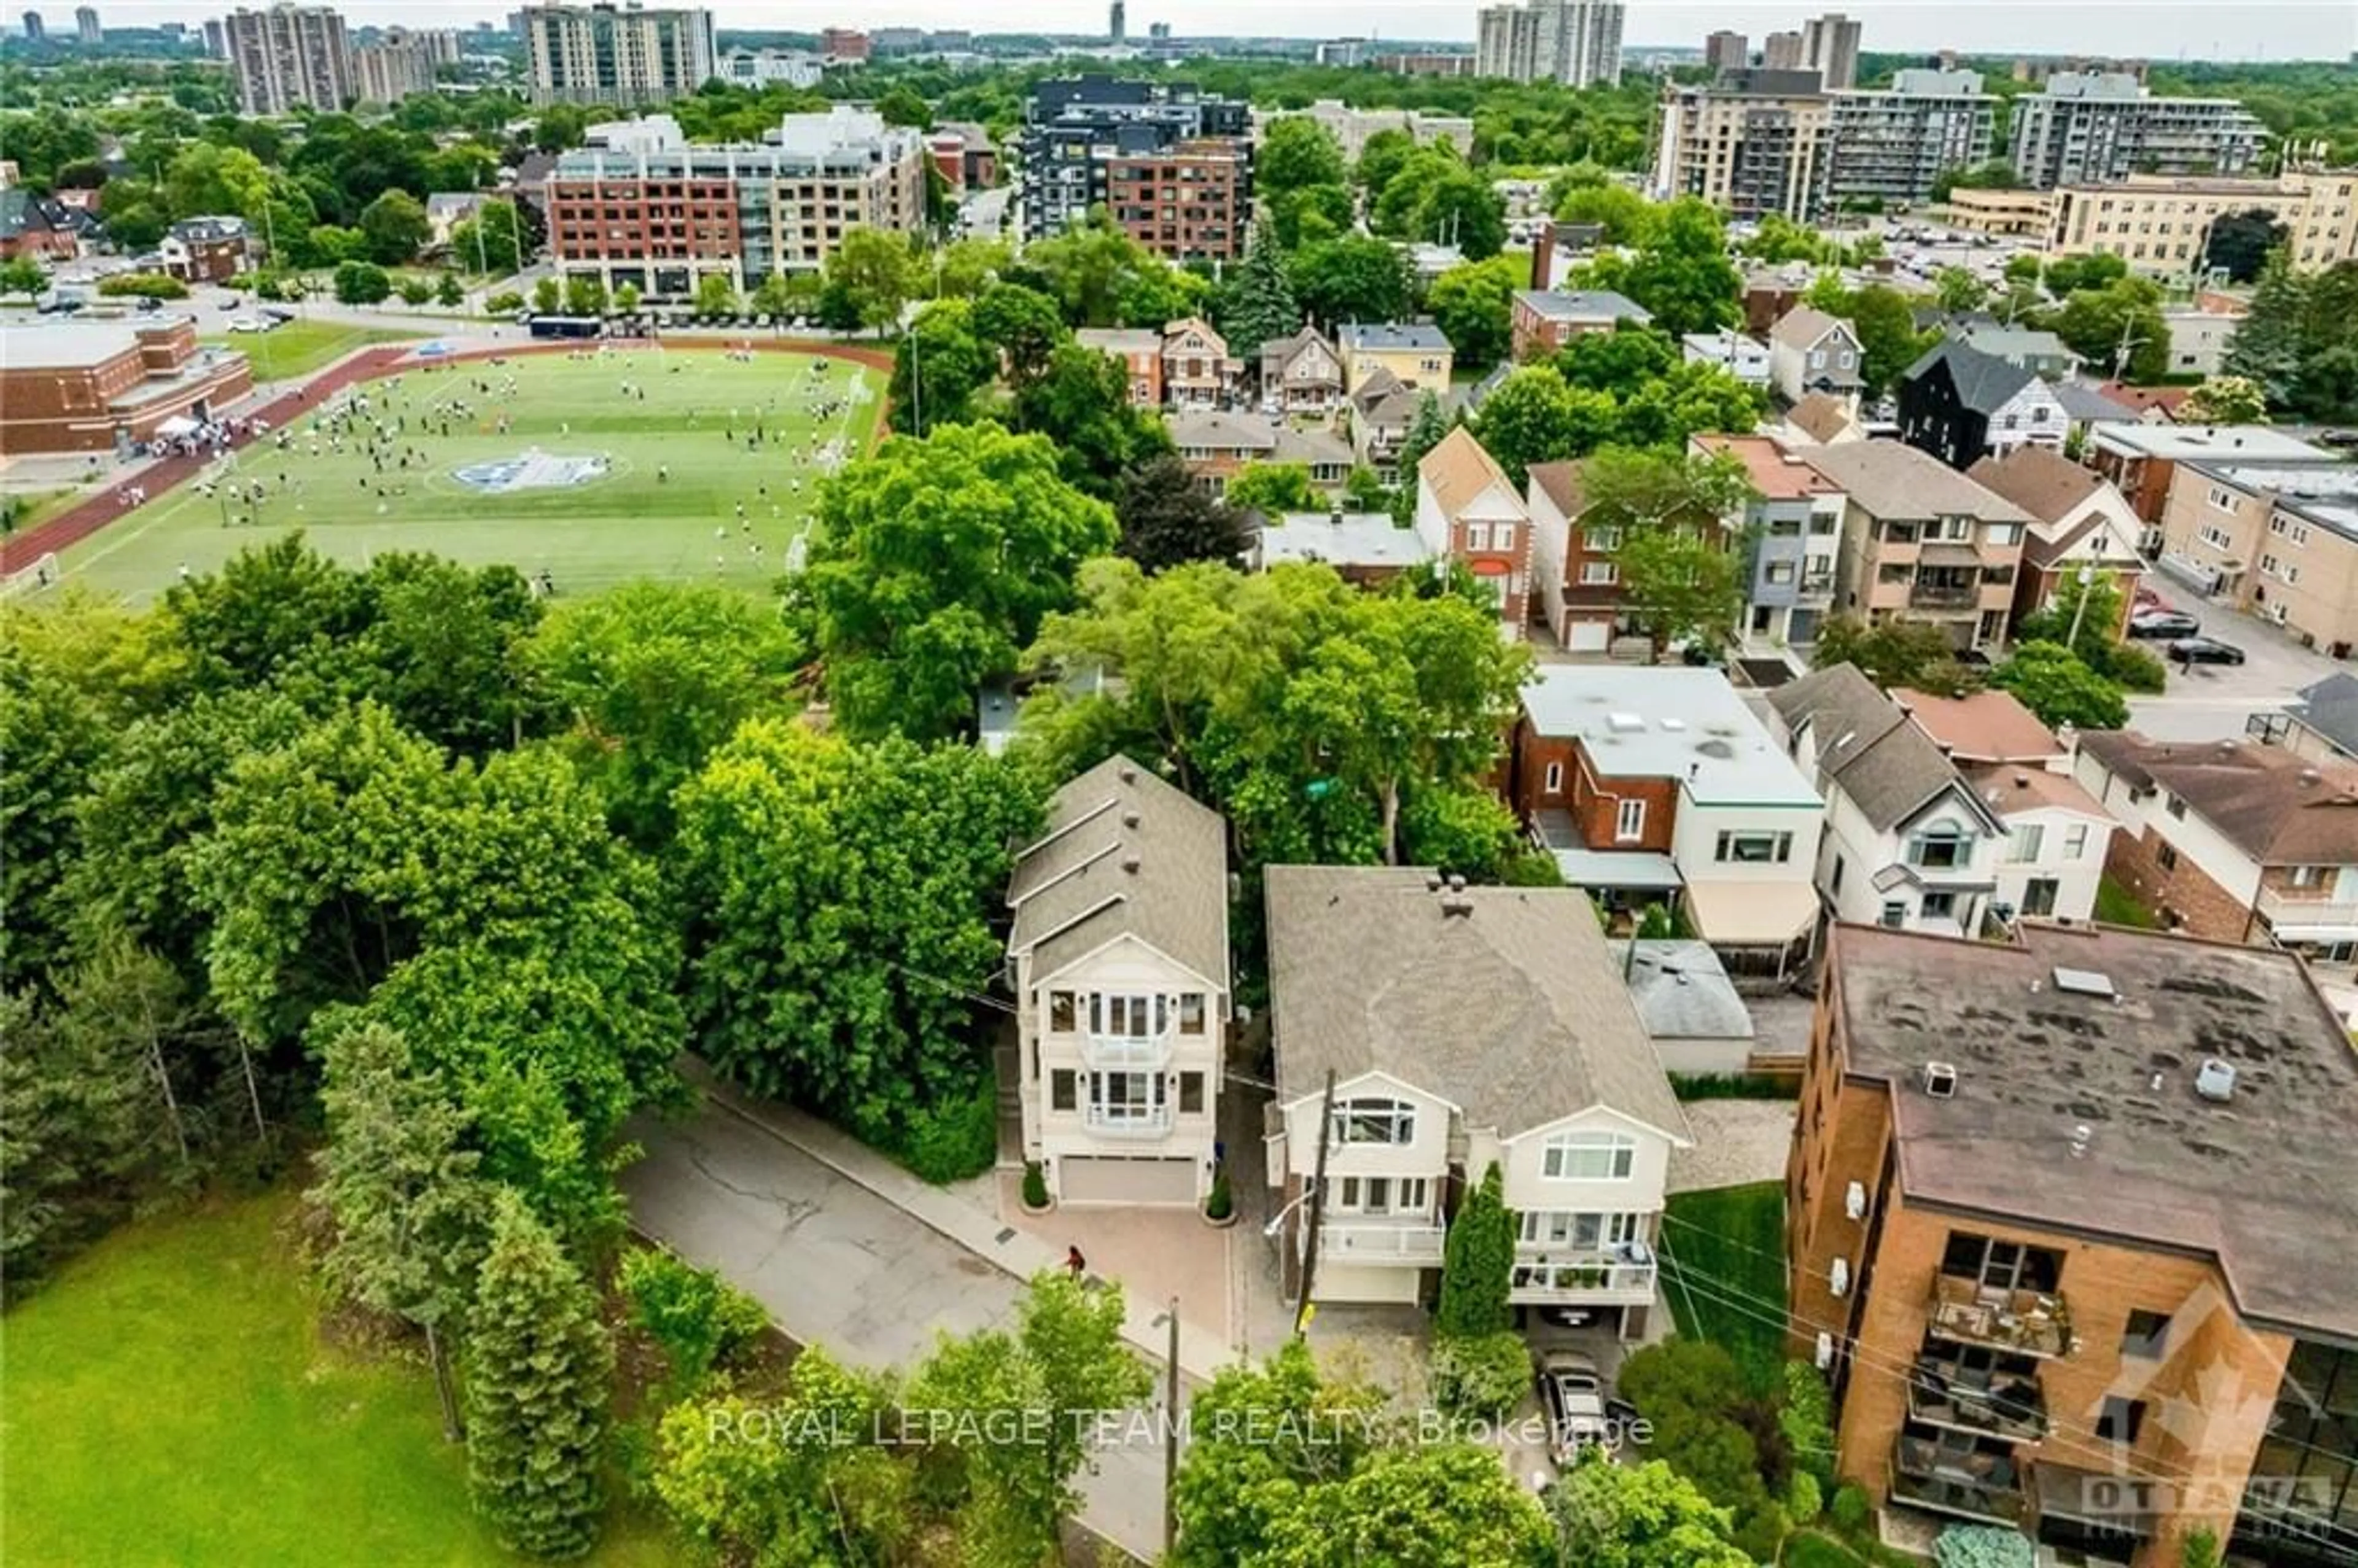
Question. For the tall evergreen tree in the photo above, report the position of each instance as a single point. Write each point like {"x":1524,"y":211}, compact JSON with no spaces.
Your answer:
{"x":1476,"y":1263}
{"x":2266,"y":348}
{"x":1424,"y":433}
{"x":1260,"y":304}
{"x":537,"y":1381}
{"x":410,"y":1211}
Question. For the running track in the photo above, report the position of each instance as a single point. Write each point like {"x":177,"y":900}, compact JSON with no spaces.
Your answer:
{"x":19,"y":551}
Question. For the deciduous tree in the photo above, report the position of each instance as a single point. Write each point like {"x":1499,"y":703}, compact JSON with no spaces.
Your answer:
{"x":1684,"y":276}
{"x":1064,"y":1362}
{"x":395,"y":227}
{"x":1296,"y":151}
{"x":1167,"y":519}
{"x":841,"y":896}
{"x":645,"y":679}
{"x":1271,"y":489}
{"x":2225,"y":400}
{"x":940,"y":367}
{"x":935,"y":562}
{"x":1473,"y":305}
{"x":1681,"y":576}
{"x":1351,"y":277}
{"x":1897,"y":651}
{"x":2052,"y":683}
{"x":1637,"y":1516}
{"x":1080,"y":401}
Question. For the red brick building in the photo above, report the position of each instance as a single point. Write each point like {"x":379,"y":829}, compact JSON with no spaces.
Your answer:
{"x":2070,"y":1230}
{"x":92,"y":386}
{"x":1190,"y":202}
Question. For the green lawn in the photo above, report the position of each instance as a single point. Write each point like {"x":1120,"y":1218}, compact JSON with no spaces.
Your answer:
{"x":300,"y":347}
{"x":1807,"y":1548}
{"x":170,"y":1401}
{"x":679,"y":465}
{"x":1724,"y":1269}
{"x":2116,"y":905}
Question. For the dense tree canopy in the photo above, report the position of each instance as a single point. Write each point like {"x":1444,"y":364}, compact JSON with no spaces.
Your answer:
{"x":1314,"y":714}
{"x":935,"y":562}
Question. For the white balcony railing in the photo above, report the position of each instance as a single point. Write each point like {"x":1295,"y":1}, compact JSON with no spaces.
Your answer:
{"x":2296,"y":908}
{"x":1415,"y":1242}
{"x":1133,"y":1051}
{"x":1127,"y":1121}
{"x":1578,"y":1279}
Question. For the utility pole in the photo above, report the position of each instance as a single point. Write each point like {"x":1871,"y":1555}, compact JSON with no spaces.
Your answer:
{"x":1171,"y":1433}
{"x":1317,"y":1207}
{"x":2087,"y":581}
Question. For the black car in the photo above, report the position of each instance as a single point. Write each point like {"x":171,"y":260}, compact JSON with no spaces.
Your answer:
{"x":2163,"y":624}
{"x":2192,"y":651}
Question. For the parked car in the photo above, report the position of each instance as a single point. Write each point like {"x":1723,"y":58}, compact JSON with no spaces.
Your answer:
{"x":2163,"y":624}
{"x":2190,"y":650}
{"x":1571,"y":1392}
{"x":244,"y":324}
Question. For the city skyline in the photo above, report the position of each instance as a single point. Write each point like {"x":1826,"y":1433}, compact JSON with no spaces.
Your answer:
{"x":2277,"y":29}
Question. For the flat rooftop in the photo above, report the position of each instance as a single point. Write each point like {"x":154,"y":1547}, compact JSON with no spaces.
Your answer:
{"x":1668,"y":722}
{"x":71,"y":345}
{"x":1361,"y":539}
{"x":2229,"y":443}
{"x":2106,"y":1030}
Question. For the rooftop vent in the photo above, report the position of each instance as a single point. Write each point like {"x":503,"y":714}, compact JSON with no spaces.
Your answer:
{"x":1130,"y":819}
{"x":1456,"y":906}
{"x":2080,"y":1134}
{"x":1129,"y":864}
{"x":2215,"y":1079}
{"x":1940,"y":1080}
{"x":1625,"y":723}
{"x":1456,"y":883}
{"x":1126,"y":774}
{"x":2083,"y":982}
{"x":1719,"y":749}
{"x":1674,"y":723}
{"x":1433,"y":883}
{"x":2310,"y":775}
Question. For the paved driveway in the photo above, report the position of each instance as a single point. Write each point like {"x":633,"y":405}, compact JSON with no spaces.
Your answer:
{"x":839,"y":1267}
{"x":2211,"y":702}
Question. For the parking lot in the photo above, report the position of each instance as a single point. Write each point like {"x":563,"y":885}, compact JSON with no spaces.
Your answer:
{"x":2209,"y":702}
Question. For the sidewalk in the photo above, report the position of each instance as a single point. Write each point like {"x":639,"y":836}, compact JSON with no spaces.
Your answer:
{"x":1202,"y":1353}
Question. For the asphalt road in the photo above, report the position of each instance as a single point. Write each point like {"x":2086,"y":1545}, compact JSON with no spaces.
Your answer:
{"x":837,"y":1266}
{"x":2212,"y":702}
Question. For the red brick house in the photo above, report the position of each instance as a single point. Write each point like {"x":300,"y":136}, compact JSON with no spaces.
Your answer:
{"x":1468,"y":511}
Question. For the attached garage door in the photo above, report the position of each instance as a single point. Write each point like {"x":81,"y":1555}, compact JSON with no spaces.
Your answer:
{"x":1588,"y":636}
{"x":1088,"y":1178}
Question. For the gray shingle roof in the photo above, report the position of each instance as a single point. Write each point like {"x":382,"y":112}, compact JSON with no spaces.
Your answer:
{"x":1124,"y":854}
{"x":1866,"y":746}
{"x":1682,"y":991}
{"x":2331,"y":708}
{"x":1891,"y":479}
{"x":1583,"y":305}
{"x":1376,"y":336}
{"x":1985,"y":383}
{"x":1514,"y":1012}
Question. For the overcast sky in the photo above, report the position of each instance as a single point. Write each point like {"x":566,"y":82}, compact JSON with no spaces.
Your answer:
{"x":2157,"y":29}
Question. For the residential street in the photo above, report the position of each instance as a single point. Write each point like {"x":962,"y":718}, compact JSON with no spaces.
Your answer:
{"x":839,"y":1266}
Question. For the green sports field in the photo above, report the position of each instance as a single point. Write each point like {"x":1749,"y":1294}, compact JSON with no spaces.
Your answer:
{"x":654,"y":477}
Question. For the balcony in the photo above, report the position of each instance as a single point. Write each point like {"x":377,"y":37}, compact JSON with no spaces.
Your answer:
{"x":1416,"y":1243}
{"x":1132,"y":1053}
{"x":1127,"y":1121}
{"x":2030,"y":1323}
{"x":1981,"y":1486}
{"x":2309,"y":914}
{"x":1924,"y":595}
{"x":1941,"y":1392}
{"x":1541,"y":1279}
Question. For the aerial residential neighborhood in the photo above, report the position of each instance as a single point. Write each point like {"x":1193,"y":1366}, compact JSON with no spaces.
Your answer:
{"x":1526,"y":785}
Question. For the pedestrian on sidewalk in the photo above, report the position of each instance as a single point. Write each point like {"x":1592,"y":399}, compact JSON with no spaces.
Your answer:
{"x":1075,"y":1262}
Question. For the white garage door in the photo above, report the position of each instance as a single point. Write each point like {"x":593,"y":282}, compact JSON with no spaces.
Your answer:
{"x":1589,"y":636}
{"x":1088,"y":1178}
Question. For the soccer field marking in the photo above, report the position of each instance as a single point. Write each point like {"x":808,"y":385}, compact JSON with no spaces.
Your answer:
{"x":622,"y":528}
